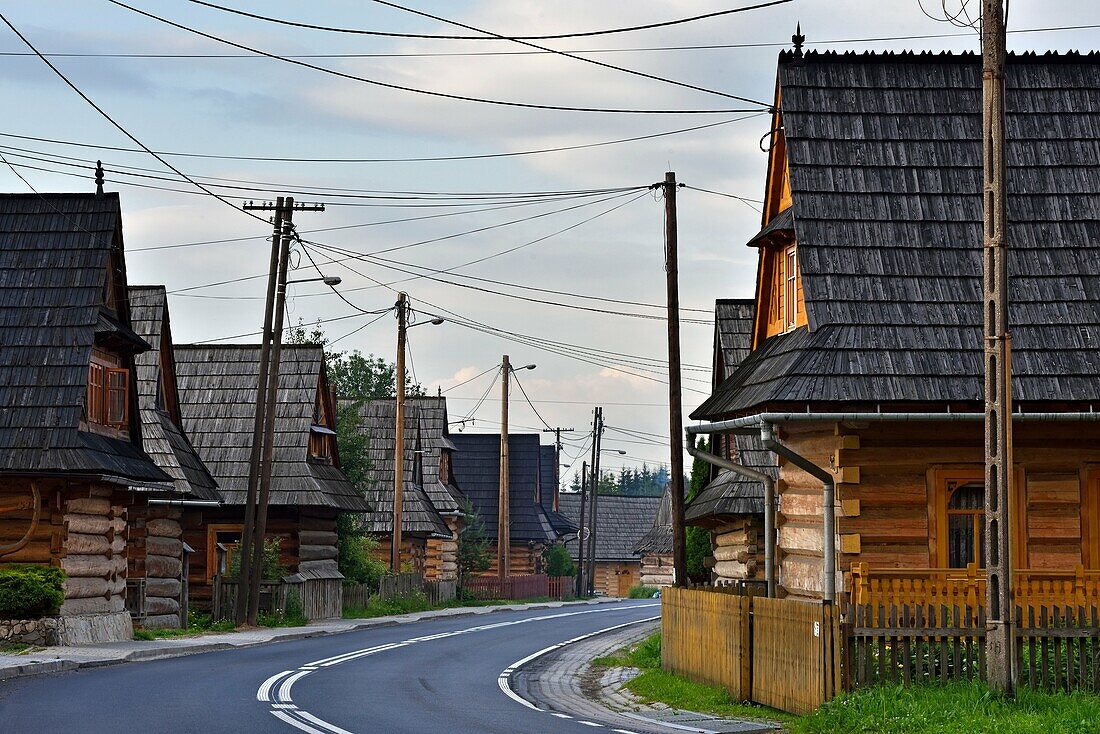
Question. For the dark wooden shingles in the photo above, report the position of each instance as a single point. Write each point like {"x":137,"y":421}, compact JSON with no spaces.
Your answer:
{"x":621,"y":522}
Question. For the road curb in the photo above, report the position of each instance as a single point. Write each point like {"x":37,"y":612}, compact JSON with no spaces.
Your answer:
{"x":174,"y":648}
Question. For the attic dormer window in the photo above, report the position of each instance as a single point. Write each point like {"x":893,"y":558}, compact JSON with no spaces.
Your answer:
{"x":107,"y":401}
{"x":320,"y":443}
{"x":790,"y":287}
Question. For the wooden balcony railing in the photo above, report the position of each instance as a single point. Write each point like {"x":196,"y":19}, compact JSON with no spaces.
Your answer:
{"x":966,"y":587}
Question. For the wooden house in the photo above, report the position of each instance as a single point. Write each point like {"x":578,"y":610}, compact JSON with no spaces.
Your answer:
{"x":157,"y":555}
{"x":621,"y":522}
{"x":217,"y":393}
{"x":655,"y":547}
{"x":731,"y":505}
{"x":431,"y":503}
{"x":865,"y":380}
{"x":72,"y":468}
{"x":477,"y":469}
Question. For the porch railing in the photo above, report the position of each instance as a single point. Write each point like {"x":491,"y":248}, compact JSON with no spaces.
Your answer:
{"x":966,"y":587}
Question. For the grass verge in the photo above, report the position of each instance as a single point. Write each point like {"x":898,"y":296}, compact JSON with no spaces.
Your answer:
{"x":201,"y":624}
{"x":654,"y":685}
{"x":953,"y":708}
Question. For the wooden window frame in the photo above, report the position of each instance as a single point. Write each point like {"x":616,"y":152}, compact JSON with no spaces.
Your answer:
{"x":938,"y":479}
{"x":98,"y":395}
{"x":789,"y":287}
{"x":1090,"y":516}
{"x":212,"y":545}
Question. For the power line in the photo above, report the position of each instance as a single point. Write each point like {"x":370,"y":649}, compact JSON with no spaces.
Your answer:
{"x":423,"y":159}
{"x":466,"y":382}
{"x":445,"y":54}
{"x":751,"y":203}
{"x":414,"y":90}
{"x":117,"y":125}
{"x":530,"y":404}
{"x":491,"y":37}
{"x":566,"y":54}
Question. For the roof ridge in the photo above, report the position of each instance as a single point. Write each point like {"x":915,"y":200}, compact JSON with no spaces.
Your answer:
{"x":926,"y":56}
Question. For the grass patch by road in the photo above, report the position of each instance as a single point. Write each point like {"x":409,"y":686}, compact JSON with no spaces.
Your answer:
{"x":654,"y":685}
{"x":202,"y":624}
{"x":377,"y":607}
{"x":955,"y":708}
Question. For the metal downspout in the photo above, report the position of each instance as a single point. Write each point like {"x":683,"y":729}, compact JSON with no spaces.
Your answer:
{"x":828,"y":512}
{"x":769,"y":503}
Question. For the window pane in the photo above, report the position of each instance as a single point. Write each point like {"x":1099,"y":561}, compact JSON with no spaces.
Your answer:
{"x":94,"y":400}
{"x":960,"y":540}
{"x":116,"y":396}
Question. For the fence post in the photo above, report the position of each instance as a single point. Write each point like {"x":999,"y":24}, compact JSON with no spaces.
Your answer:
{"x":745,"y":631}
{"x":972,"y":584}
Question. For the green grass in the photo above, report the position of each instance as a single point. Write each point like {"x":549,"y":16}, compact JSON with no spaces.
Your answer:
{"x":654,"y":685}
{"x":14,"y":648}
{"x":419,"y":603}
{"x":954,"y":708}
{"x":642,"y":592}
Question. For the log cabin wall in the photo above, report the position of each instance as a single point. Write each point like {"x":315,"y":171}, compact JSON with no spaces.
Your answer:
{"x":616,"y":578}
{"x":414,"y":551}
{"x":738,"y":549}
{"x":46,"y":545}
{"x":441,"y":562}
{"x":155,"y":553}
{"x":890,"y":491}
{"x":523,"y":559}
{"x":656,"y":570}
{"x":95,"y":550}
{"x":317,"y":550}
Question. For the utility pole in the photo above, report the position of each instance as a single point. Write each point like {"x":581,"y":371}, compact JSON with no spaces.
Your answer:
{"x":267,"y":405}
{"x":244,"y":574}
{"x":503,"y":509}
{"x":593,"y":497}
{"x":1000,"y":640}
{"x":582,"y":584}
{"x":557,"y":457}
{"x":399,"y":434}
{"x":675,"y":401}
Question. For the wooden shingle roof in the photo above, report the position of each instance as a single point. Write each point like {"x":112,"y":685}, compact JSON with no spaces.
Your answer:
{"x":163,"y":440}
{"x":217,"y":393}
{"x":477,"y":470}
{"x":54,"y":256}
{"x":733,"y":494}
{"x":621,"y":522}
{"x":424,"y":499}
{"x":548,"y":489}
{"x":886,"y":175}
{"x":733,"y":322}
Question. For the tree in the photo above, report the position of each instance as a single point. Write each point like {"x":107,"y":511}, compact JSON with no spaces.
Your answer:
{"x":473,"y":546}
{"x":698,"y":539}
{"x":557,"y":562}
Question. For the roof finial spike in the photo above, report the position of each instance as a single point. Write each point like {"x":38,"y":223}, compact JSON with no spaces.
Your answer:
{"x":99,"y":179}
{"x":798,"y":39}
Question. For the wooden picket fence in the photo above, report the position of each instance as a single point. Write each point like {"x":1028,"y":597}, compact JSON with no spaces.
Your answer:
{"x":1058,"y":649}
{"x":399,"y":585}
{"x":514,"y":587}
{"x":782,"y":653}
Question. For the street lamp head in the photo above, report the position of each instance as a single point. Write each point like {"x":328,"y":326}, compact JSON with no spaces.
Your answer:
{"x":436,"y":321}
{"x":333,"y":281}
{"x":527,"y":367}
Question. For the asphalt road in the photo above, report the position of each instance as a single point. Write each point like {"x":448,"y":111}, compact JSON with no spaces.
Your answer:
{"x":432,"y":676}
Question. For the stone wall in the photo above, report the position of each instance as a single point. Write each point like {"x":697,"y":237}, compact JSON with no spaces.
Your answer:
{"x":29,"y":631}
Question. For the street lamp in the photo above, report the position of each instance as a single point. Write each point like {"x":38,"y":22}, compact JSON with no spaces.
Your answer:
{"x":620,"y":452}
{"x":330,"y":280}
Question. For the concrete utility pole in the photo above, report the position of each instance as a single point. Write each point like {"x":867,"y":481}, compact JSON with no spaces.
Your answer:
{"x":593,"y":498}
{"x":503,"y":510}
{"x":1000,"y":640}
{"x":240,"y":610}
{"x":402,"y":308}
{"x":581,"y":539}
{"x":675,"y":401}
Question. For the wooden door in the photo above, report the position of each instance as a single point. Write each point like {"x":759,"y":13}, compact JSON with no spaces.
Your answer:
{"x":625,"y":578}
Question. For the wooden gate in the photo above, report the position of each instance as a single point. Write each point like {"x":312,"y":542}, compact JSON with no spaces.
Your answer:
{"x":705,"y":637}
{"x":795,"y":654}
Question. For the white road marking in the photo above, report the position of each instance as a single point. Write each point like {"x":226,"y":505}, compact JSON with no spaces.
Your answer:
{"x":589,"y":723}
{"x":284,"y":709}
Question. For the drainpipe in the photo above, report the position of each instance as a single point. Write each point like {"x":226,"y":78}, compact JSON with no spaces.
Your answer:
{"x":828,"y":513}
{"x":769,"y":502}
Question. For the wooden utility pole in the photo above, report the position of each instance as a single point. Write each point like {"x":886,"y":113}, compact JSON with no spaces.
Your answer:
{"x":503,"y":509}
{"x":675,"y":402}
{"x":557,"y":457}
{"x":244,"y":574}
{"x":267,"y":395}
{"x":1000,"y":640}
{"x":581,"y":539}
{"x":399,"y":434}
{"x":593,"y":498}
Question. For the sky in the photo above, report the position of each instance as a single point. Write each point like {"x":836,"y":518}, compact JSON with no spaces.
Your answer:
{"x":606,"y":245}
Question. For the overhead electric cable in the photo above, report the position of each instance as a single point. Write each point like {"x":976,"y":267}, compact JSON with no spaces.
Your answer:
{"x":467,"y":381}
{"x":414,"y":90}
{"x":530,"y":404}
{"x":552,"y":37}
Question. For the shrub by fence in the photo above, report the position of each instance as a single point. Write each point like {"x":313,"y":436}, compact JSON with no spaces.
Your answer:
{"x":399,"y":585}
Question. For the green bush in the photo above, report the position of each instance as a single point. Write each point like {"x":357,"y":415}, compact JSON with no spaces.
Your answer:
{"x":642,"y":592}
{"x":30,"y":592}
{"x":358,"y":561}
{"x":557,"y":561}
{"x":273,"y":569}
